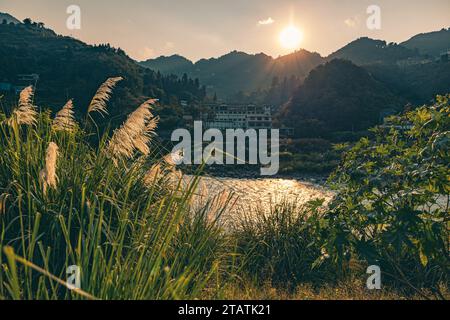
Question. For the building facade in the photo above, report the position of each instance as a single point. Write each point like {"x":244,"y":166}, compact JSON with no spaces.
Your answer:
{"x":234,"y":116}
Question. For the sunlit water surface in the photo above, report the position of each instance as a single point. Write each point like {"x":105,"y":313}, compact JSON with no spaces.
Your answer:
{"x":251,"y":194}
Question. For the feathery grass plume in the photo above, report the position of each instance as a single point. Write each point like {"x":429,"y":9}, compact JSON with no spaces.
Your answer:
{"x":135,"y":134}
{"x":173,"y":159}
{"x":153,"y":175}
{"x":175,"y":180}
{"x":142,"y":141}
{"x":102,"y":96}
{"x":64,"y":119}
{"x":26,"y":112}
{"x":48,"y":174}
{"x":175,"y":177}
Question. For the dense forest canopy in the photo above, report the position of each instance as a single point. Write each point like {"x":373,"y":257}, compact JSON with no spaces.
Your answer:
{"x":417,"y":83}
{"x":338,"y":96}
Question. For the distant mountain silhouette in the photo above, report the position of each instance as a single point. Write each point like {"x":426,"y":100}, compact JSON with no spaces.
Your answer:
{"x":364,"y":51}
{"x":338,"y":96}
{"x":7,"y":18}
{"x":174,"y":64}
{"x":431,"y":43}
{"x":412,"y":70}
{"x":239,"y":71}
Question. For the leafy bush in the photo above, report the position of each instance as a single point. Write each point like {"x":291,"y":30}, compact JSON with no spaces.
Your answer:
{"x":392,"y":202}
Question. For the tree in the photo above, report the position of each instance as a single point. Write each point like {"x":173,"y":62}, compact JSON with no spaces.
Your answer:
{"x":185,"y":78}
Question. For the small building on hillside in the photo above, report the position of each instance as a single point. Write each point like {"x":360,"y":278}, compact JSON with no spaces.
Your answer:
{"x":238,"y":116}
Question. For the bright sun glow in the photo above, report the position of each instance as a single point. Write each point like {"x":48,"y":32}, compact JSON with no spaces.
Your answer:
{"x":291,"y":37}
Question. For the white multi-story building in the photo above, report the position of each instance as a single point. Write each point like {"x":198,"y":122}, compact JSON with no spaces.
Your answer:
{"x":225,"y":116}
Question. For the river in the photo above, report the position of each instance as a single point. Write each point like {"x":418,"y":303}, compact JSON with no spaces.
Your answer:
{"x":251,"y":194}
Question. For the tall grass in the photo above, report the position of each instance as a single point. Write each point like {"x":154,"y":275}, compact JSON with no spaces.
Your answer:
{"x":280,"y":245}
{"x":65,"y":202}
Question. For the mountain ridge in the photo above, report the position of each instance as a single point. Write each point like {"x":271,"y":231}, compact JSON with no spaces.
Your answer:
{"x":365,"y":50}
{"x":432,"y":43}
{"x":253,"y":72}
{"x":8,"y":18}
{"x":239,"y":71}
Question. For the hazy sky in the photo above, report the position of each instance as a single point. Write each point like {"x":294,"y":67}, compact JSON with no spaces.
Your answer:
{"x":210,"y":28}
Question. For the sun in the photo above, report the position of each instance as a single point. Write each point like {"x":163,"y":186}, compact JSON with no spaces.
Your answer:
{"x":291,"y":37}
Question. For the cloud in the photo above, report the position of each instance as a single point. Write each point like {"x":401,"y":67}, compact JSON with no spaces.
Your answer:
{"x":169,"y":45}
{"x":266,"y":22}
{"x":145,"y":53}
{"x":350,"y":22}
{"x":211,"y":39}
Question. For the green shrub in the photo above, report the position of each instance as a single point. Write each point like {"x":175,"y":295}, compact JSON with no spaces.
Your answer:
{"x":392,"y":202}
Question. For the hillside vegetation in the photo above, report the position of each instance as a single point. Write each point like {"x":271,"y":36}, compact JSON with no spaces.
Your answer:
{"x":369,"y":51}
{"x":71,"y":69}
{"x":338,"y":96}
{"x":431,"y":43}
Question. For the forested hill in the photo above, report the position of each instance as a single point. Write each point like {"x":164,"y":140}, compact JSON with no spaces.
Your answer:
{"x":7,"y":18}
{"x":69,"y":68}
{"x":174,"y":64}
{"x":416,"y":70}
{"x":338,"y":97}
{"x":364,"y":51}
{"x":431,"y":43}
{"x":239,"y":71}
{"x":424,"y":47}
